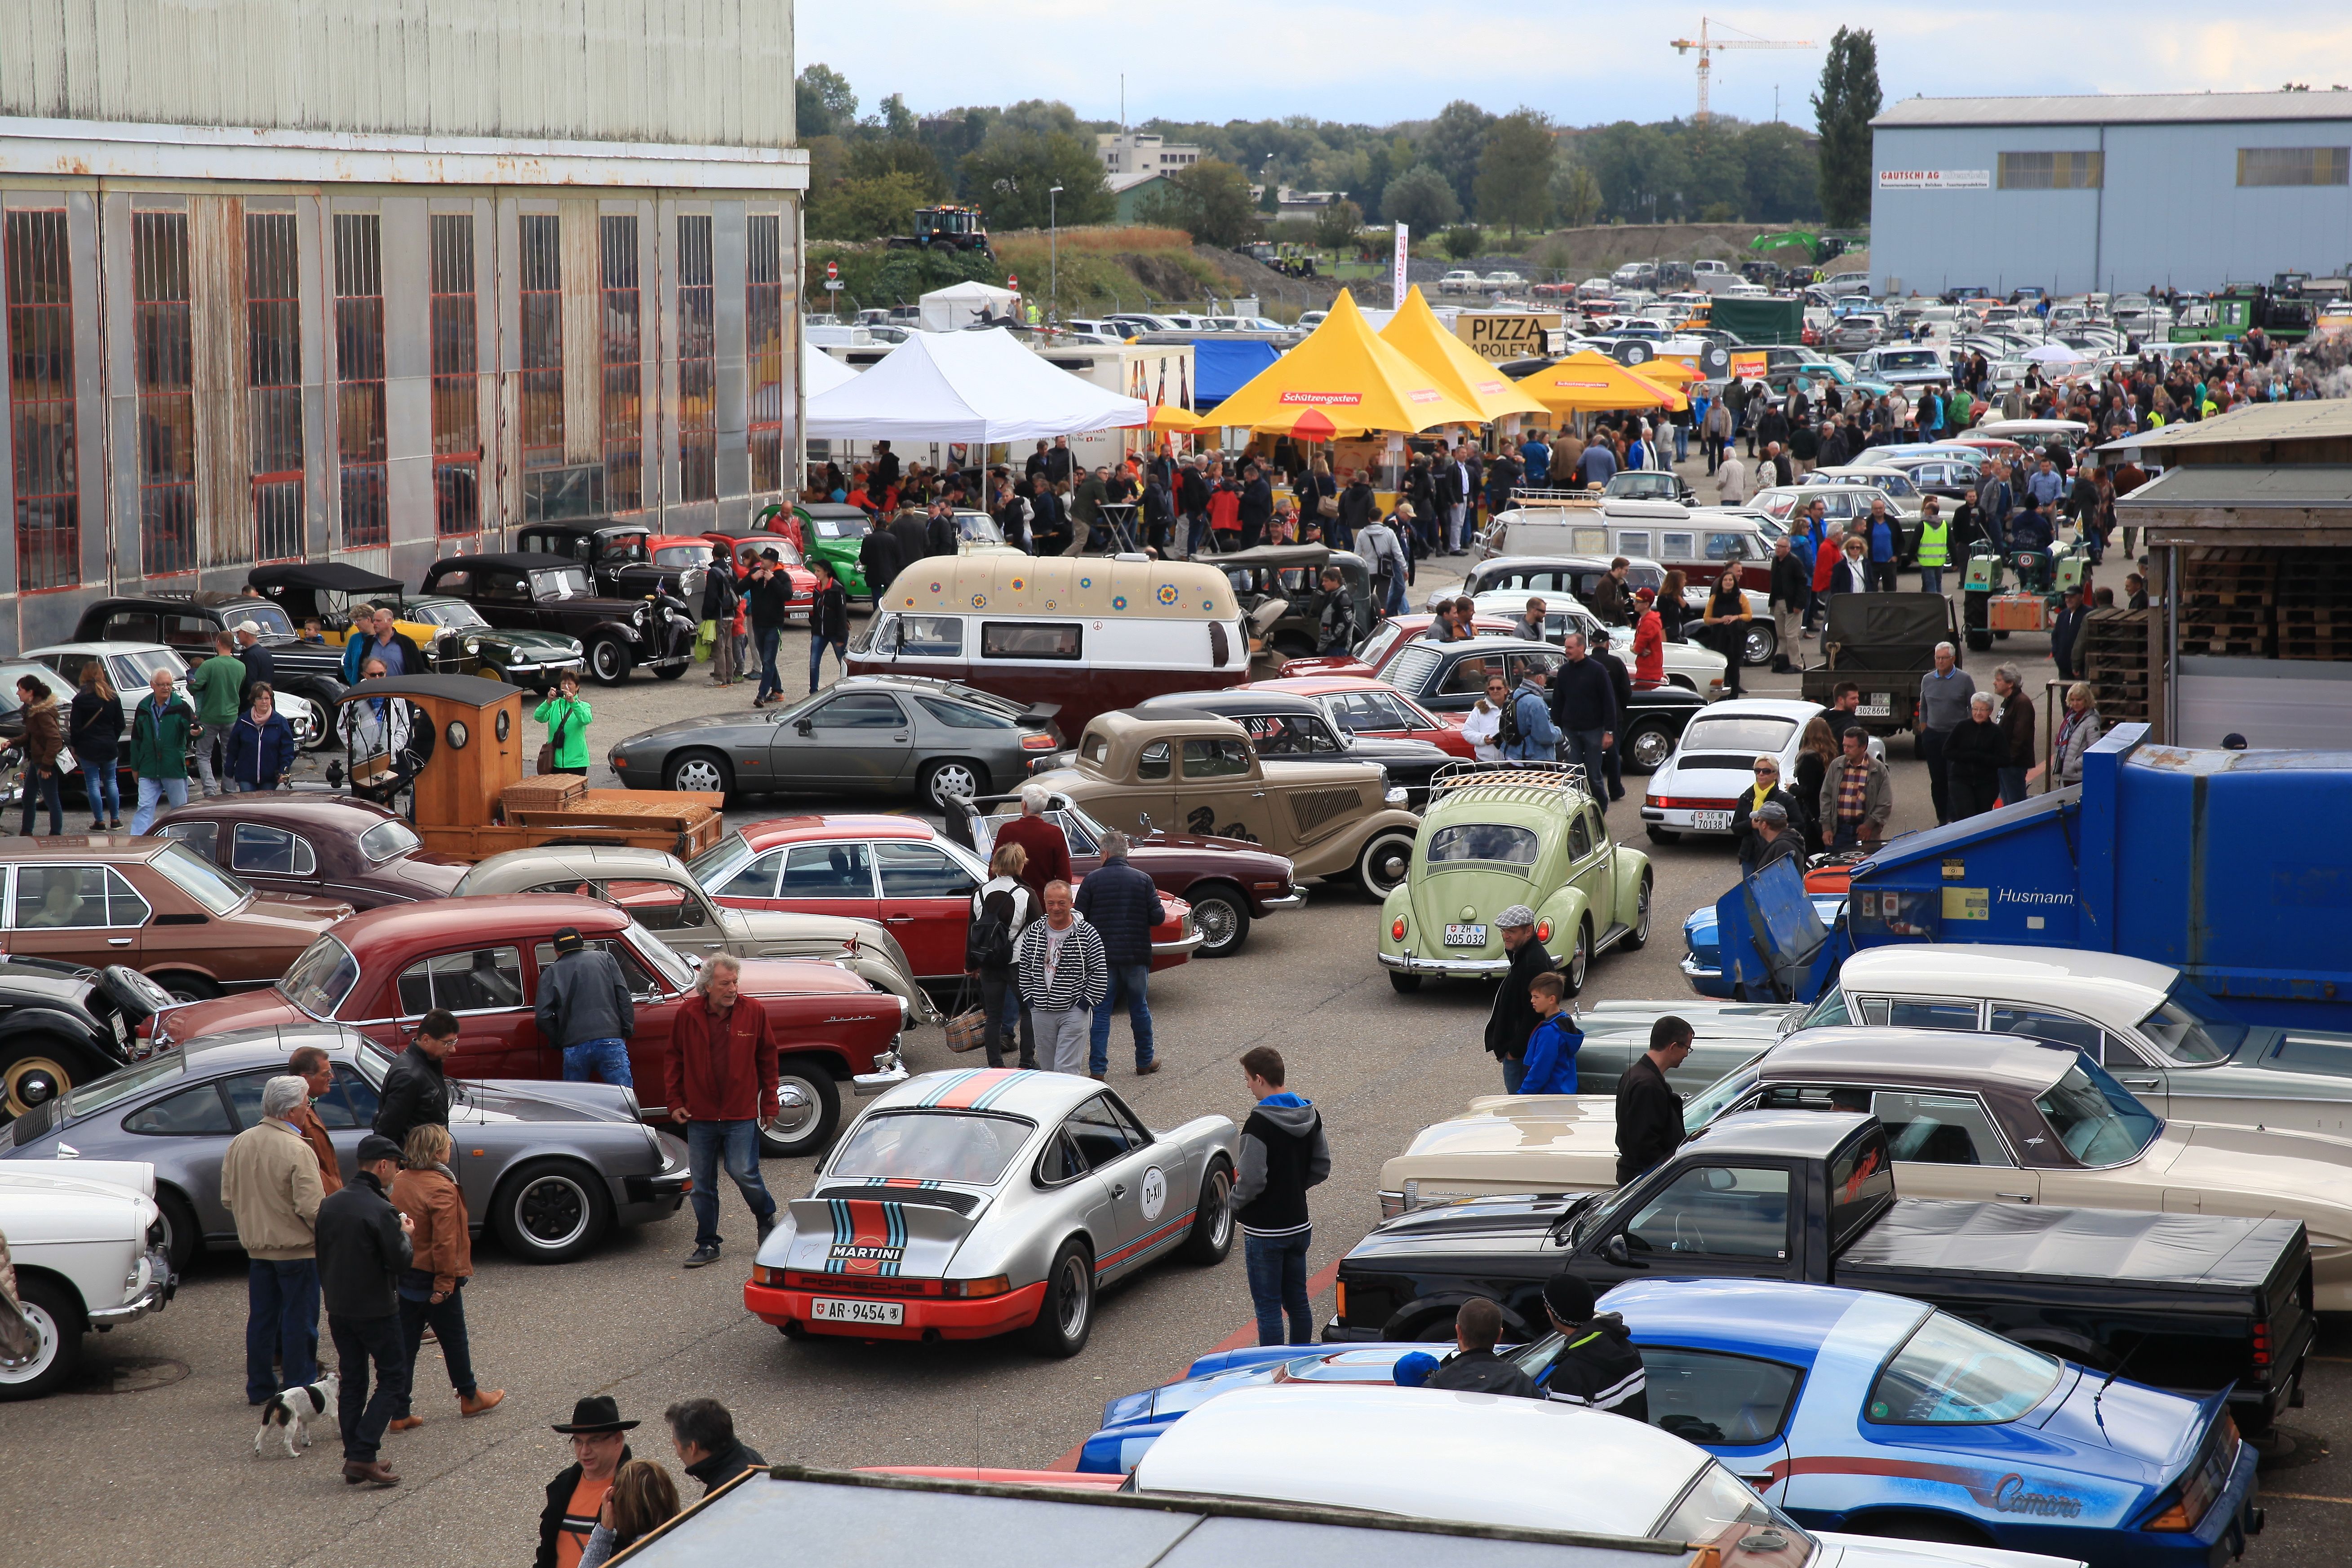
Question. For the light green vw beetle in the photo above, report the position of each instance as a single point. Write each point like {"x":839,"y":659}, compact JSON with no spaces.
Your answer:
{"x":1500,"y":833}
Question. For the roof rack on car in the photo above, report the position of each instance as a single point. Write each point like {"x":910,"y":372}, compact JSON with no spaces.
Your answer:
{"x":1533,"y":783}
{"x":1522,"y":496}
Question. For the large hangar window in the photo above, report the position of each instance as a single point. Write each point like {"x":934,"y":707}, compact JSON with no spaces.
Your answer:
{"x":2294,"y":165}
{"x":2053,"y":170}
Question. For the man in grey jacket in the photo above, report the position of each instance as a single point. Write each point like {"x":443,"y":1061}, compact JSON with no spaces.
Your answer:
{"x":1063,"y":977}
{"x":584,"y":1010}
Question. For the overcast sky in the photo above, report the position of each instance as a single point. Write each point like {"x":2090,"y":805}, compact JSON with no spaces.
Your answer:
{"x":1382,"y":60}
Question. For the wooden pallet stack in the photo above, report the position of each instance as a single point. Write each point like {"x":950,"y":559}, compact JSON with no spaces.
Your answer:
{"x":2315,"y":604}
{"x":2114,"y":656}
{"x":2228,"y":601}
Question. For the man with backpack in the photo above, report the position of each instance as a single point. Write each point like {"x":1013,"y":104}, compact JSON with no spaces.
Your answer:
{"x":1382,"y":551}
{"x":1001,"y":908}
{"x":1527,"y":732}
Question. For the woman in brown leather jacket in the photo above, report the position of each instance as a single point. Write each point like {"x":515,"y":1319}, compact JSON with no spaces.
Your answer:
{"x":44,"y":739}
{"x":441,"y":1261}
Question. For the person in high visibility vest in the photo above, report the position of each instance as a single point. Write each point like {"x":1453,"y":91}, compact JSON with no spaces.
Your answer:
{"x":1935,"y":544}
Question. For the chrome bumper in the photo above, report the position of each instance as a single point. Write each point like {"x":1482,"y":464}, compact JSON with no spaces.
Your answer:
{"x":1447,"y":968}
{"x":557,"y":664}
{"x":1184,"y":947}
{"x":1295,"y":899}
{"x":1693,"y":971}
{"x":161,"y":1284}
{"x":888,"y":1073}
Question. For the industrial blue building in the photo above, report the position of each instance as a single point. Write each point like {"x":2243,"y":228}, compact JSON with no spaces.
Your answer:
{"x":2188,"y":191}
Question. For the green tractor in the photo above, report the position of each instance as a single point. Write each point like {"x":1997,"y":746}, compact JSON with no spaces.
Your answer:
{"x":946,"y":229}
{"x":1992,"y":605}
{"x":2282,"y":314}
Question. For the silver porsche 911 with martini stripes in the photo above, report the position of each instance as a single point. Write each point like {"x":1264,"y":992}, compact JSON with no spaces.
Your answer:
{"x":979,"y":1202}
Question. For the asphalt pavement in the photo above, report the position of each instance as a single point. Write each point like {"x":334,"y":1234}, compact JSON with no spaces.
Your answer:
{"x":150,"y":1459}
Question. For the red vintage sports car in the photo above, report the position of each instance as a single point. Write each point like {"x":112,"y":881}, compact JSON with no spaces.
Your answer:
{"x":379,"y":973}
{"x":1370,"y":706}
{"x":897,"y":870}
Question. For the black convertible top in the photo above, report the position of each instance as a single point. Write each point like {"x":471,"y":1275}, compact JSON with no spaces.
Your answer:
{"x":517,"y":561}
{"x":321,"y":577}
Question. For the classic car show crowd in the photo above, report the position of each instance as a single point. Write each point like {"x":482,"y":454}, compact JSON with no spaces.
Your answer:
{"x":2005,"y":1249}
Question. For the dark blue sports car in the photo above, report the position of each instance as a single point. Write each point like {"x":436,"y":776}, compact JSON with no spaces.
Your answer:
{"x":1702,"y":948}
{"x":1862,"y":1414}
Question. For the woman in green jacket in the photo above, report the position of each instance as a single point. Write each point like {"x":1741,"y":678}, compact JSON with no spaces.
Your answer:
{"x":567,"y":719}
{"x":159,"y":728}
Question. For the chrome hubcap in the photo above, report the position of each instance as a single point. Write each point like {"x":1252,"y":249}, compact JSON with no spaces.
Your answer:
{"x":699,"y":774}
{"x":1214,"y":919}
{"x":1650,"y":748}
{"x":47,"y":1328}
{"x":797,"y":1110}
{"x":1075,"y":1286}
{"x":1220,"y":1212}
{"x":953,"y":782}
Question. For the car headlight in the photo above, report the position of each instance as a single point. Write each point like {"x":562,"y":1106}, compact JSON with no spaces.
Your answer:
{"x":638,"y":615}
{"x":473,"y":644}
{"x":1395,"y":795}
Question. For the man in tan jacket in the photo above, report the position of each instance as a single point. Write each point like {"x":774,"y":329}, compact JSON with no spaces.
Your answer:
{"x":270,"y":1182}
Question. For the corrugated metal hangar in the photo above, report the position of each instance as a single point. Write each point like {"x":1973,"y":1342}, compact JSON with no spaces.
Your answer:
{"x":379,"y":280}
{"x":2186,"y":191}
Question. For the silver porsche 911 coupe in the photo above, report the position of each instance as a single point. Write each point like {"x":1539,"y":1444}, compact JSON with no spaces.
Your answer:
{"x":968,"y":1204}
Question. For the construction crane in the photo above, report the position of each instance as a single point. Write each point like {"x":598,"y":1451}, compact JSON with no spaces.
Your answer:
{"x":1706,"y":45}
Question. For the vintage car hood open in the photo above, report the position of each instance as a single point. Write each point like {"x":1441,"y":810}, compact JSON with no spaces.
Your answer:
{"x":851,"y":1229}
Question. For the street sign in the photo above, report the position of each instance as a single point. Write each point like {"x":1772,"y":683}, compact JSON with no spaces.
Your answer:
{"x":1397,"y":282}
{"x":832,"y":270}
{"x":1013,"y":281}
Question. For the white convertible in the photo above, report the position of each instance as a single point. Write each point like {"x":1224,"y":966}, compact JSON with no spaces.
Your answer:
{"x":88,"y":1243}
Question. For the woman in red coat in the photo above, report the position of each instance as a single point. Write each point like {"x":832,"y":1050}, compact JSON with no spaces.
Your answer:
{"x":1649,"y":640}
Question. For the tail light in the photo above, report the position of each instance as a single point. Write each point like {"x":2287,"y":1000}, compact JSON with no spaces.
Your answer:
{"x":1543,"y":930}
{"x":2261,"y":1345}
{"x":1339,"y":1299}
{"x":763,"y":1275}
{"x":1396,"y":929}
{"x":994,"y":1285}
{"x":1036,"y":743}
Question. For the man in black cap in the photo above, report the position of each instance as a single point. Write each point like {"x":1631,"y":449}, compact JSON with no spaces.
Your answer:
{"x":1513,"y":1017}
{"x":577,"y":1492}
{"x":1649,"y":1114}
{"x":1599,"y":1366}
{"x":363,"y":1246}
{"x":1475,"y":1368}
{"x":584,"y":1010}
{"x":415,"y":1089}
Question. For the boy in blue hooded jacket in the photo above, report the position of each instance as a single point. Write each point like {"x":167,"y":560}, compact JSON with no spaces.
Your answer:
{"x":1552,"y":1047}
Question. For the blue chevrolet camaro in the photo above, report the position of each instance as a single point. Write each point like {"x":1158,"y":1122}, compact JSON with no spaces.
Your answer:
{"x":1862,"y":1414}
{"x":1703,"y":947}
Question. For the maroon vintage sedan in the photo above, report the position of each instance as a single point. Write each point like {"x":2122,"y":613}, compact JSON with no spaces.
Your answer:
{"x":1228,"y":881}
{"x":327,"y":845}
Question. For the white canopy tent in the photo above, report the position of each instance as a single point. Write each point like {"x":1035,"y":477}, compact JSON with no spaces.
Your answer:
{"x":821,"y":372}
{"x":962,"y":304}
{"x":967,"y":387}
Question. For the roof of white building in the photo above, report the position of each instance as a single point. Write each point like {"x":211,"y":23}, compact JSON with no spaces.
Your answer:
{"x":2119,"y":108}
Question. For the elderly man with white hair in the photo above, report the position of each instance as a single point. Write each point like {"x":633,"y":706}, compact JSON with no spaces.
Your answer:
{"x":1063,"y":977}
{"x":721,"y":1082}
{"x":1041,"y":840}
{"x":1944,"y":694}
{"x":270,"y":1182}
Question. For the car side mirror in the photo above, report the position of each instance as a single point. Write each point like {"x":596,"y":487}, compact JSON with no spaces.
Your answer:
{"x":805,"y":726}
{"x":1143,"y":820}
{"x":1615,"y":1250}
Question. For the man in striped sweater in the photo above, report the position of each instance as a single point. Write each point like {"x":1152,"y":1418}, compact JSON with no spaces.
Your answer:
{"x":1063,"y":977}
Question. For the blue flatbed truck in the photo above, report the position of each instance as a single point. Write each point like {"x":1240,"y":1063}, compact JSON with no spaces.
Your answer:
{"x":2232,"y":866}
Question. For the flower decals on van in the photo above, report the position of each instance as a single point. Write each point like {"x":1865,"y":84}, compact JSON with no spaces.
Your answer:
{"x":1086,"y":582}
{"x":1119,"y":601}
{"x":1168,"y":594}
{"x":1019,"y":583}
{"x":935,"y":588}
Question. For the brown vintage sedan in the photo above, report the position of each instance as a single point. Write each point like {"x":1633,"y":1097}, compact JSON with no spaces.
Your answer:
{"x":153,"y":905}
{"x":330,"y":846}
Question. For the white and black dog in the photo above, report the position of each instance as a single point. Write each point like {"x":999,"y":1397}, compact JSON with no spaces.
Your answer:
{"x":290,"y":1411}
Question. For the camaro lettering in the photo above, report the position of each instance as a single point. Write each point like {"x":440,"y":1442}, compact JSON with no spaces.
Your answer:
{"x":2010,"y":1496}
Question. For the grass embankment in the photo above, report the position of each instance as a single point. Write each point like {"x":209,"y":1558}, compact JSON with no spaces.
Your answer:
{"x":1099,"y":270}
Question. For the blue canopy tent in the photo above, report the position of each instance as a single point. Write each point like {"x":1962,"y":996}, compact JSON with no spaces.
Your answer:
{"x":1221,"y":370}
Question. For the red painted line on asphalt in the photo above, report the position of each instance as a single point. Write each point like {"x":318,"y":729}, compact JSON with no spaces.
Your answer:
{"x":1316,"y":1285}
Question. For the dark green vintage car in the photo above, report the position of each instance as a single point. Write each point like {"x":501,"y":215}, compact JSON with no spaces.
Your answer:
{"x":454,"y":635}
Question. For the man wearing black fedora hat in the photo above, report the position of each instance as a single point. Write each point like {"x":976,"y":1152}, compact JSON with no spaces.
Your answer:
{"x":599,"y":1449}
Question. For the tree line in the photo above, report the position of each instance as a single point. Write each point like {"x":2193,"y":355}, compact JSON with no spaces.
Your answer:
{"x":1517,"y":171}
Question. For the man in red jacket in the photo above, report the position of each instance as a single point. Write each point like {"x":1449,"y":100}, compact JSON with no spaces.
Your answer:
{"x":1048,"y":851}
{"x":721,"y":1083}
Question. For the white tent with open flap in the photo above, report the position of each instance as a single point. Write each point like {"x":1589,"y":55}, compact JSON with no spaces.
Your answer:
{"x":961,"y":305}
{"x":967,"y":387}
{"x":821,"y":372}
